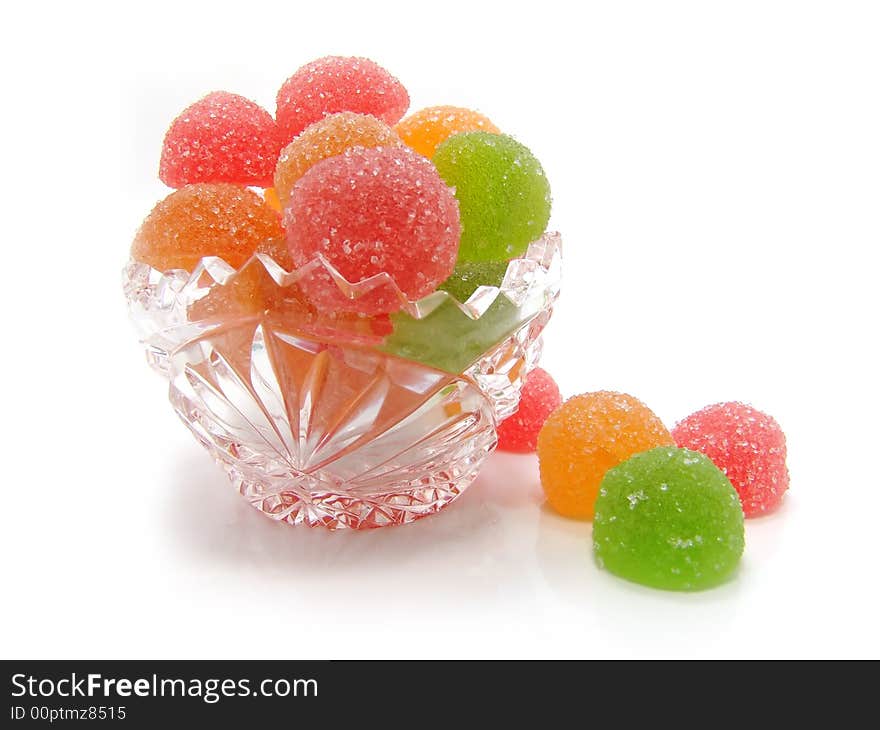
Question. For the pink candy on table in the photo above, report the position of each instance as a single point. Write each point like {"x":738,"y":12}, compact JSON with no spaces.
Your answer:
{"x":747,"y":445}
{"x":540,"y":397}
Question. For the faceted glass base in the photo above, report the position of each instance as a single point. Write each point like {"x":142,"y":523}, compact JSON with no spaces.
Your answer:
{"x":342,"y":421}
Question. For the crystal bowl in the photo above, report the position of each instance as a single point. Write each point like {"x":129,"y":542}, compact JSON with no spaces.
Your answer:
{"x":342,"y":421}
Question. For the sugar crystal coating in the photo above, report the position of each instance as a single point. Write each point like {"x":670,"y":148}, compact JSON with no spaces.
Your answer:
{"x":468,"y":276}
{"x":222,"y":138}
{"x":502,"y":192}
{"x":747,"y":445}
{"x":205,"y":220}
{"x":668,"y":518}
{"x":328,"y":137}
{"x":425,"y":129}
{"x":584,"y":438}
{"x":369,"y":211}
{"x":338,"y":84}
{"x":539,"y":398}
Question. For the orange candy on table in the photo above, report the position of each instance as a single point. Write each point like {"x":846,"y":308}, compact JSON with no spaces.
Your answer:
{"x":329,"y":137}
{"x":424,"y":130}
{"x":584,"y":438}
{"x":201,"y":220}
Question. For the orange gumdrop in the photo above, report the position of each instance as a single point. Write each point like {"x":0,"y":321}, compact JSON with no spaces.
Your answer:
{"x":584,"y":438}
{"x":278,"y":250}
{"x":253,"y":291}
{"x":424,"y":130}
{"x":205,"y":220}
{"x":271,"y":198}
{"x":329,"y":137}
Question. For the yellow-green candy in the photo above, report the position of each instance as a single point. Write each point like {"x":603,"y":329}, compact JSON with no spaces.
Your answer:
{"x":468,"y":276}
{"x":503,"y":194}
{"x":668,"y":518}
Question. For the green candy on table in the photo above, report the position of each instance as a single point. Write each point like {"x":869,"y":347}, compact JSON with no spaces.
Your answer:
{"x":668,"y":518}
{"x":502,"y":192}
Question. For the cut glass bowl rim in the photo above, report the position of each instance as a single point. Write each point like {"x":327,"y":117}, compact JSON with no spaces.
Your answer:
{"x":542,"y":256}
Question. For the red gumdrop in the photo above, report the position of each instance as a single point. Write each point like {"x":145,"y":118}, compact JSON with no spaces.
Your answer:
{"x":223,"y":138}
{"x":747,"y":445}
{"x":368,"y":211}
{"x":338,"y":84}
{"x":540,"y":397}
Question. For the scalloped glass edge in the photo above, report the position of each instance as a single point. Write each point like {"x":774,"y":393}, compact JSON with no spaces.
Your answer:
{"x":159,"y":302}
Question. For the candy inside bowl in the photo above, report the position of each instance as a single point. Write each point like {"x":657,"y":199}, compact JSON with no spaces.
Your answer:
{"x":345,"y":340}
{"x":343,"y":420}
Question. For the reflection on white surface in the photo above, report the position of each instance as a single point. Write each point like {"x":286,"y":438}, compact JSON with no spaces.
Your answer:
{"x":215,"y":525}
{"x":498,"y":551}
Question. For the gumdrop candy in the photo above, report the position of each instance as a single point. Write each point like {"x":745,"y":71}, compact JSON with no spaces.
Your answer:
{"x":338,"y":84}
{"x":205,"y":220}
{"x":427,"y":128}
{"x":584,"y":438}
{"x":539,"y":398}
{"x":668,"y":518}
{"x":468,"y":276}
{"x":747,"y":445}
{"x":222,"y":138}
{"x":328,"y":137}
{"x":369,"y":211}
{"x":278,"y":250}
{"x":271,"y":198}
{"x":502,"y":192}
{"x":253,"y":292}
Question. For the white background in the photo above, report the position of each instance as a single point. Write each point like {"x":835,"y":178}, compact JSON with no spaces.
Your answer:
{"x":716,"y":175}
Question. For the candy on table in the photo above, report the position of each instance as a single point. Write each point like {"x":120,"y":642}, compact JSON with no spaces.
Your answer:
{"x":539,"y":398}
{"x":502,"y":192}
{"x":338,"y":84}
{"x":425,"y":129}
{"x":668,"y":518}
{"x":468,"y":276}
{"x":584,"y":438}
{"x":369,"y":211}
{"x":328,"y":137}
{"x":747,"y":445}
{"x":222,"y":138}
{"x":205,"y":220}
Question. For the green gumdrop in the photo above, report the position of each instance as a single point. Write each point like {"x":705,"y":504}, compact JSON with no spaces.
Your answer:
{"x":469,"y":275}
{"x":447,"y":339}
{"x":503,"y":194}
{"x":668,"y":518}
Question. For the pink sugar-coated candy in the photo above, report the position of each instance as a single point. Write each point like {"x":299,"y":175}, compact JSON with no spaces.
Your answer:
{"x":222,"y":138}
{"x":540,"y":397}
{"x":338,"y":84}
{"x":747,"y":445}
{"x":373,"y":210}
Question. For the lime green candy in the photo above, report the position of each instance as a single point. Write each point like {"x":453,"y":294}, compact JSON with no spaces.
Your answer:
{"x":668,"y":518}
{"x":470,"y":275}
{"x":448,"y":339}
{"x":503,"y":194}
